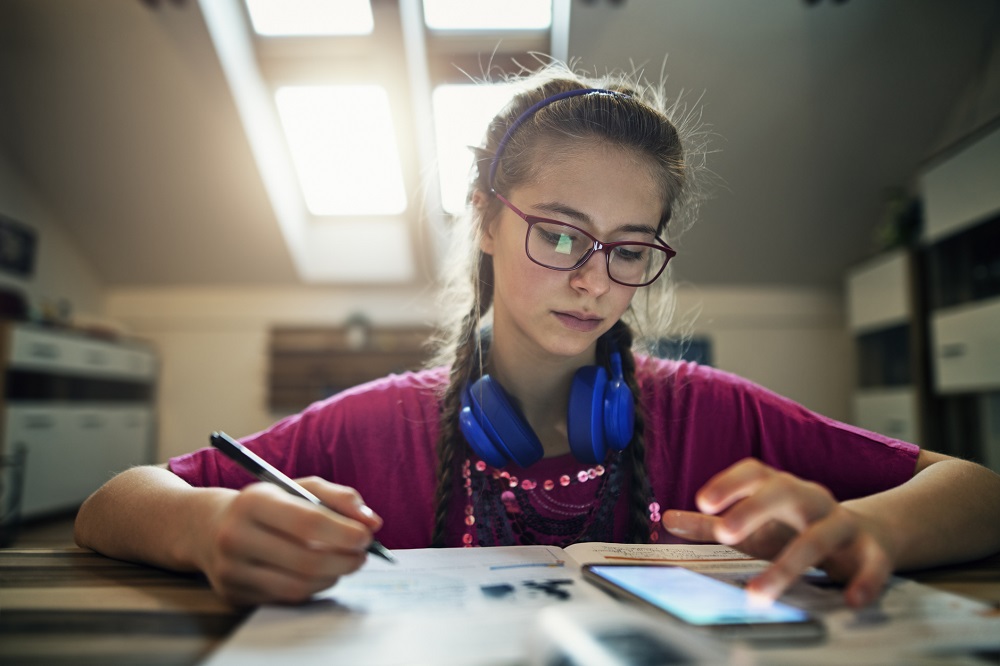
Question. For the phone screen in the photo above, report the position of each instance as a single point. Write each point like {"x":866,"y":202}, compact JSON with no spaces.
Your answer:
{"x":697,"y":599}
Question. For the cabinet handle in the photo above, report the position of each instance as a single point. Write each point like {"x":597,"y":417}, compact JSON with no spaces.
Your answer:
{"x":952,"y":350}
{"x":44,"y":350}
{"x":91,"y":422}
{"x":39,"y":422}
{"x":97,"y":358}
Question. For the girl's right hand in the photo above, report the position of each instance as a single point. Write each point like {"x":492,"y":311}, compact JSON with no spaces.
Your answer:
{"x":266,"y":546}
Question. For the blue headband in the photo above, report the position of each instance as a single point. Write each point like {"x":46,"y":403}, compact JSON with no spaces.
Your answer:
{"x":531,"y":111}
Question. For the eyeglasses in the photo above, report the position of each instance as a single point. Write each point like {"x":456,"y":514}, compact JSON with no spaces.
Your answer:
{"x":563,"y":247}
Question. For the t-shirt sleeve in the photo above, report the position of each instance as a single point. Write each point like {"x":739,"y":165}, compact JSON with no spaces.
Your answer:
{"x":348,"y":438}
{"x":290,"y":445}
{"x":850,"y":461}
{"x":709,"y":419}
{"x":378,"y":438}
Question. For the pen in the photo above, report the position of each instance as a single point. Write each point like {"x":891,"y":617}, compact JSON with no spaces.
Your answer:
{"x":254,"y":464}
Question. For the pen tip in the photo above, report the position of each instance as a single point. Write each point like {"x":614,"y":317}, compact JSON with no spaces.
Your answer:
{"x":382,"y":552}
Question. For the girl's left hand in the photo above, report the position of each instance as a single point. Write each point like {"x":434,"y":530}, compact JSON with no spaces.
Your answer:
{"x":797,"y":524}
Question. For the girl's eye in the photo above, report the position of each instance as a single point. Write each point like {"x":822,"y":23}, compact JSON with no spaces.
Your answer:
{"x":561,"y":239}
{"x":551,"y":237}
{"x":630,"y":252}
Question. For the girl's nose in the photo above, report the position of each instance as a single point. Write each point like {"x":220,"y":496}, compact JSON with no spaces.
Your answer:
{"x":593,"y":275}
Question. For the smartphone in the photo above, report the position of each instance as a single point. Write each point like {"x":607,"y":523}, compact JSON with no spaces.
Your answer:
{"x":704,"y":602}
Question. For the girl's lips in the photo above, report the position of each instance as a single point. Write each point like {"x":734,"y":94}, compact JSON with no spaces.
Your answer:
{"x":577,"y":322}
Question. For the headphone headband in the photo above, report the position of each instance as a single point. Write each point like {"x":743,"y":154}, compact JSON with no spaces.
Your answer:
{"x":600,"y":418}
{"x":532,"y":110}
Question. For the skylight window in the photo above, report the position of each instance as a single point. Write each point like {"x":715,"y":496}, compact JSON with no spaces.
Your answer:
{"x":344,"y":148}
{"x":488,"y":14}
{"x":311,"y":17}
{"x":461,"y":114}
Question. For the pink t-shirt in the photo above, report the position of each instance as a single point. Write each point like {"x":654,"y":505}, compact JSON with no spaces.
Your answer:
{"x":380,"y":438}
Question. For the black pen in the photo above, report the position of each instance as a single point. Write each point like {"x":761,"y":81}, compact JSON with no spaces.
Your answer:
{"x":254,"y":464}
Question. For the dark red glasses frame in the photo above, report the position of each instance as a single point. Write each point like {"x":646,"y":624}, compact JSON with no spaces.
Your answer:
{"x":598,"y":245}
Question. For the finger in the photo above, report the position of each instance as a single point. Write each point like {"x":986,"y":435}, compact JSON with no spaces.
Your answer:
{"x":690,"y":525}
{"x":342,"y":499}
{"x":812,"y":546}
{"x":733,"y":483}
{"x":874,"y":569}
{"x":257,"y":544}
{"x":248,"y":582}
{"x":767,"y":541}
{"x":782,"y":498}
{"x":300,"y":519}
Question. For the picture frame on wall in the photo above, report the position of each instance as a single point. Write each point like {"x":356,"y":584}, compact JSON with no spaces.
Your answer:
{"x":18,"y":244}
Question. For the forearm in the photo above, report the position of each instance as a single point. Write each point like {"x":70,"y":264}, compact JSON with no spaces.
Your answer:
{"x":150,"y":515}
{"x":948,"y":512}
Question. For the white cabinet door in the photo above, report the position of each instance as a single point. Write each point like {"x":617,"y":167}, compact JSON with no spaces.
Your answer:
{"x":128,"y":439}
{"x":878,"y":293}
{"x":891,"y":412}
{"x":72,"y":450}
{"x":966,"y":347}
{"x":92,"y":429}
{"x":51,"y":480}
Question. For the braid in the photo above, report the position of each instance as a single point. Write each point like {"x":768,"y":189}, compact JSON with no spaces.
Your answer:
{"x":620,"y":337}
{"x":468,"y":355}
{"x":450,"y":440}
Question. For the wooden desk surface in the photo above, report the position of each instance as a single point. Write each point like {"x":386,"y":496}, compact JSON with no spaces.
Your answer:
{"x":74,"y":607}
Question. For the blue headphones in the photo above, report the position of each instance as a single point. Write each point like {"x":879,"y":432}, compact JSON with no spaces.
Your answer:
{"x":601,"y":414}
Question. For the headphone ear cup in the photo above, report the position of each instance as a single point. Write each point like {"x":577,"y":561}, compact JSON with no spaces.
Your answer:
{"x":495,"y":428}
{"x":619,"y":414}
{"x":470,"y":420}
{"x":585,"y":422}
{"x":619,"y":407}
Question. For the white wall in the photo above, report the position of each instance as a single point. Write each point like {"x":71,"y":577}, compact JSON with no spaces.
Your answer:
{"x":61,"y":272}
{"x":792,"y":340}
{"x":213,"y":344}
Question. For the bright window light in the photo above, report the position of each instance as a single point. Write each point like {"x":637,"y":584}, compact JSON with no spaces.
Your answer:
{"x":311,"y":17}
{"x":461,"y":114}
{"x":344,"y":148}
{"x":488,"y":14}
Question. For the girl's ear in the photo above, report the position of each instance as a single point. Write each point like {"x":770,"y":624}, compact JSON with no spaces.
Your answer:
{"x":480,"y":203}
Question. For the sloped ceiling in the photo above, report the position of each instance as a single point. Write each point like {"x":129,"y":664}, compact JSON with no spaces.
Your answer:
{"x":119,"y":116}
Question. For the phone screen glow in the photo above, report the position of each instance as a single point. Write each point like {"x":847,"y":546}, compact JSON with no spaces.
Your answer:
{"x":697,"y":599}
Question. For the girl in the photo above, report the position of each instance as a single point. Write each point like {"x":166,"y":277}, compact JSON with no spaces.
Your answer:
{"x":540,"y":424}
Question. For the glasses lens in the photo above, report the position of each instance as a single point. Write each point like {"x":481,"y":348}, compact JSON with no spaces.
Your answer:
{"x":556,"y":245}
{"x":635,"y":264}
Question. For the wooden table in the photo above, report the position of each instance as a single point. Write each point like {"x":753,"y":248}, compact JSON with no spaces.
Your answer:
{"x":72,"y":607}
{"x":75,"y":607}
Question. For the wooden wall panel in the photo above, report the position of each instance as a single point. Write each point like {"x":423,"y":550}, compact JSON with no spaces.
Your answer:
{"x":309,"y":364}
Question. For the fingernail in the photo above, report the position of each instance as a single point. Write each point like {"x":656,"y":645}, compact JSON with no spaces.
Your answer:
{"x":366,"y":510}
{"x":679,"y":531}
{"x":725,"y":536}
{"x":859,"y":597}
{"x":760,"y":592}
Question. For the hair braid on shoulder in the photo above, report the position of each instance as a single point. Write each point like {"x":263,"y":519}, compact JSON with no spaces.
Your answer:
{"x":450,"y":440}
{"x":635,"y":455}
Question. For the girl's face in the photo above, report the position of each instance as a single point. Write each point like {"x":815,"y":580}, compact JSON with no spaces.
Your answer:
{"x":600,"y":189}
